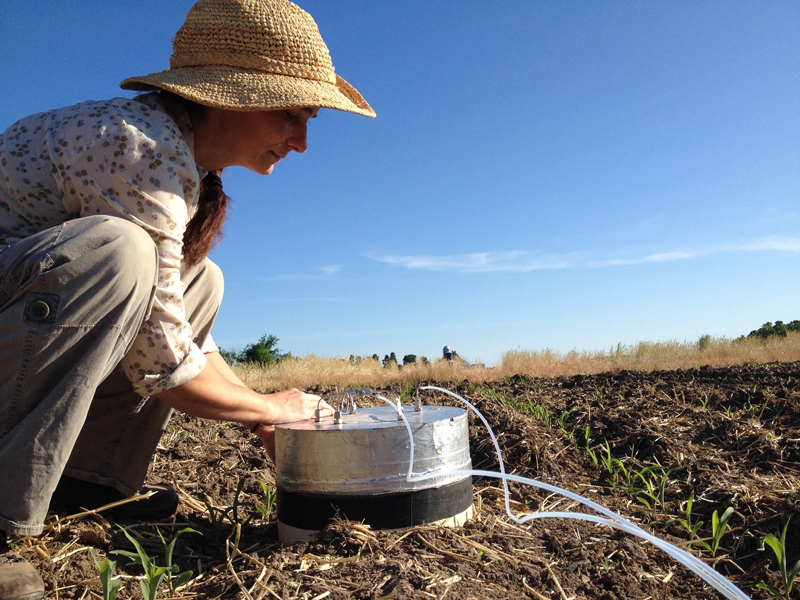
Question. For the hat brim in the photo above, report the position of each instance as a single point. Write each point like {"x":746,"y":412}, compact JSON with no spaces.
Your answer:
{"x":250,"y":89}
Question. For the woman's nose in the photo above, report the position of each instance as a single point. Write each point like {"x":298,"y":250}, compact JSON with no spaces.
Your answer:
{"x":297,"y":141}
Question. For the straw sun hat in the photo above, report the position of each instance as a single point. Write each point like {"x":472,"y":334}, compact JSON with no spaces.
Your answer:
{"x":252,"y":55}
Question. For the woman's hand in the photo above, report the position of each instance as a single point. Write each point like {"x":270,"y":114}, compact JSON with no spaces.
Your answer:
{"x":266,"y":433}
{"x":292,"y":405}
{"x":216,"y":393}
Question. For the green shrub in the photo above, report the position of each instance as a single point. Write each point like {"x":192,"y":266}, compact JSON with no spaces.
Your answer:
{"x":264,"y":352}
{"x":704,"y":342}
{"x":779,"y":329}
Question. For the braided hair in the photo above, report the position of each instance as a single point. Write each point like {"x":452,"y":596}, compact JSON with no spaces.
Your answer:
{"x":204,"y":230}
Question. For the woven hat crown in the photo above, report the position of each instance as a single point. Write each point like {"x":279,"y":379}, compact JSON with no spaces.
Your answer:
{"x":270,"y":35}
{"x":252,"y":55}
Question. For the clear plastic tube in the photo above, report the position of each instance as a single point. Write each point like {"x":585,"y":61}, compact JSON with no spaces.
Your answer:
{"x":702,"y":570}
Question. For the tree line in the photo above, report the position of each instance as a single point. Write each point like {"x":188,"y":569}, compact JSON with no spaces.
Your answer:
{"x":779,"y":329}
{"x":265,"y":352}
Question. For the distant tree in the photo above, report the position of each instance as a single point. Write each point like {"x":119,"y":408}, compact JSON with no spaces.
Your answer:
{"x":263,"y":352}
{"x":424,"y":360}
{"x":778,"y":329}
{"x":409,"y":359}
{"x":229,"y":356}
{"x":388,"y":359}
{"x":704,"y":342}
{"x":376,"y":357}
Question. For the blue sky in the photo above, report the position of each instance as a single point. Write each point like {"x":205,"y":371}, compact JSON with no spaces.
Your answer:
{"x":564,"y":175}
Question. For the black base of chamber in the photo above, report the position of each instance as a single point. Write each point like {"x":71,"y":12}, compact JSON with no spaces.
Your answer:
{"x":385,"y":511}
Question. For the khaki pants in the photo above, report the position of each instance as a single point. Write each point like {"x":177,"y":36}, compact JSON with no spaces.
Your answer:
{"x":72,"y":298}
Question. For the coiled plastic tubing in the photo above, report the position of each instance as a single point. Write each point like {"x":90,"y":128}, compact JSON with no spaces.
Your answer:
{"x":716,"y":580}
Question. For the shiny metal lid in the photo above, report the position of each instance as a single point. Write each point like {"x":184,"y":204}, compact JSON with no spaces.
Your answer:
{"x":368,"y":451}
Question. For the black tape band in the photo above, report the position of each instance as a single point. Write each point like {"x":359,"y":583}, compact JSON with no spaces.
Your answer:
{"x":385,"y":511}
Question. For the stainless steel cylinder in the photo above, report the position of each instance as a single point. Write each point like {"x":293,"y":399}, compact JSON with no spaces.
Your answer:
{"x":359,"y":465}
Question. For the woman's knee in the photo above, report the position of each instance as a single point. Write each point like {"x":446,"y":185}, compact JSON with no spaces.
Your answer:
{"x":128,"y":245}
{"x":110,"y":253}
{"x":202,"y":296}
{"x":214,"y":278}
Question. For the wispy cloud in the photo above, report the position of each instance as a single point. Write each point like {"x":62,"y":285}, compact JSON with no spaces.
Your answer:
{"x":517,"y":261}
{"x":330,"y":269}
{"x":659,"y":257}
{"x":320,"y":273}
{"x":483,"y":262}
{"x":779,"y":243}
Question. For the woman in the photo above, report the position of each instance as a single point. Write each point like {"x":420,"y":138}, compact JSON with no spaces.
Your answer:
{"x":107,"y":213}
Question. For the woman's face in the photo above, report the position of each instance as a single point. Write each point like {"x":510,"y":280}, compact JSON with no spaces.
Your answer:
{"x":257,"y":140}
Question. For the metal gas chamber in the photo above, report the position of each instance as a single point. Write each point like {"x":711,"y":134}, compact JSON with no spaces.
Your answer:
{"x":354,"y":465}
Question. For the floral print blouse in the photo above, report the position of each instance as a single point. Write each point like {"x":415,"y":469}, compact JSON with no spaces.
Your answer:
{"x":126,"y":158}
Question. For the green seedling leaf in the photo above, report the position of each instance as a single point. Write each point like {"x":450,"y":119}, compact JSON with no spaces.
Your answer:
{"x":770,"y":589}
{"x":154,"y":574}
{"x":718,"y":526}
{"x":787,"y":575}
{"x":107,"y":580}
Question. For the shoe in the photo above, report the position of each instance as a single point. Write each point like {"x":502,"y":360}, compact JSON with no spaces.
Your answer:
{"x":73,"y":495}
{"x":161,"y":505}
{"x":18,"y":579}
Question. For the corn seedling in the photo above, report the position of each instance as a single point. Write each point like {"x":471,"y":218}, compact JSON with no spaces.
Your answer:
{"x":562,"y":421}
{"x":154,"y":575}
{"x":718,"y":526}
{"x":787,"y":575}
{"x":541,"y":411}
{"x":233,"y":511}
{"x":408,"y":392}
{"x":175,"y":578}
{"x":629,"y":476}
{"x":486,"y":391}
{"x":686,"y":522}
{"x":107,"y":580}
{"x":588,"y":441}
{"x":270,"y":496}
{"x":607,"y":460}
{"x":621,"y":471}
{"x":607,"y":563}
{"x":218,"y":515}
{"x":652,"y":495}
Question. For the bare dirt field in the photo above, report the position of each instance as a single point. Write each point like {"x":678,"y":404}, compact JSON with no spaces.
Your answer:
{"x":729,"y":436}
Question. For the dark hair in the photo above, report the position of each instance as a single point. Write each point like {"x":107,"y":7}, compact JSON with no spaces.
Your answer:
{"x":204,"y":230}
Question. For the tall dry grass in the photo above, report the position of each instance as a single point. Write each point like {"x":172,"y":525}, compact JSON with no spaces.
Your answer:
{"x":313,"y":371}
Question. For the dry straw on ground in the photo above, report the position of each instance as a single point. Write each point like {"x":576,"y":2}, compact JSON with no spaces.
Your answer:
{"x":313,"y":371}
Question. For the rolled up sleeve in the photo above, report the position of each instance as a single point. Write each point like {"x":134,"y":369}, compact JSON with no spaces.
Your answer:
{"x":135,"y":164}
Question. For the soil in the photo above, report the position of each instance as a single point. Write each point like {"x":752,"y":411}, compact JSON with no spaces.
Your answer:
{"x":730,"y":436}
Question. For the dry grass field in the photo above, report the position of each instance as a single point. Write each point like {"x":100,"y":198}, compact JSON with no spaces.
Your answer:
{"x":312,"y":371}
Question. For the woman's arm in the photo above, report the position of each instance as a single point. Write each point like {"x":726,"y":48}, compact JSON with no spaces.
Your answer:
{"x":216,"y":359}
{"x":212,"y":395}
